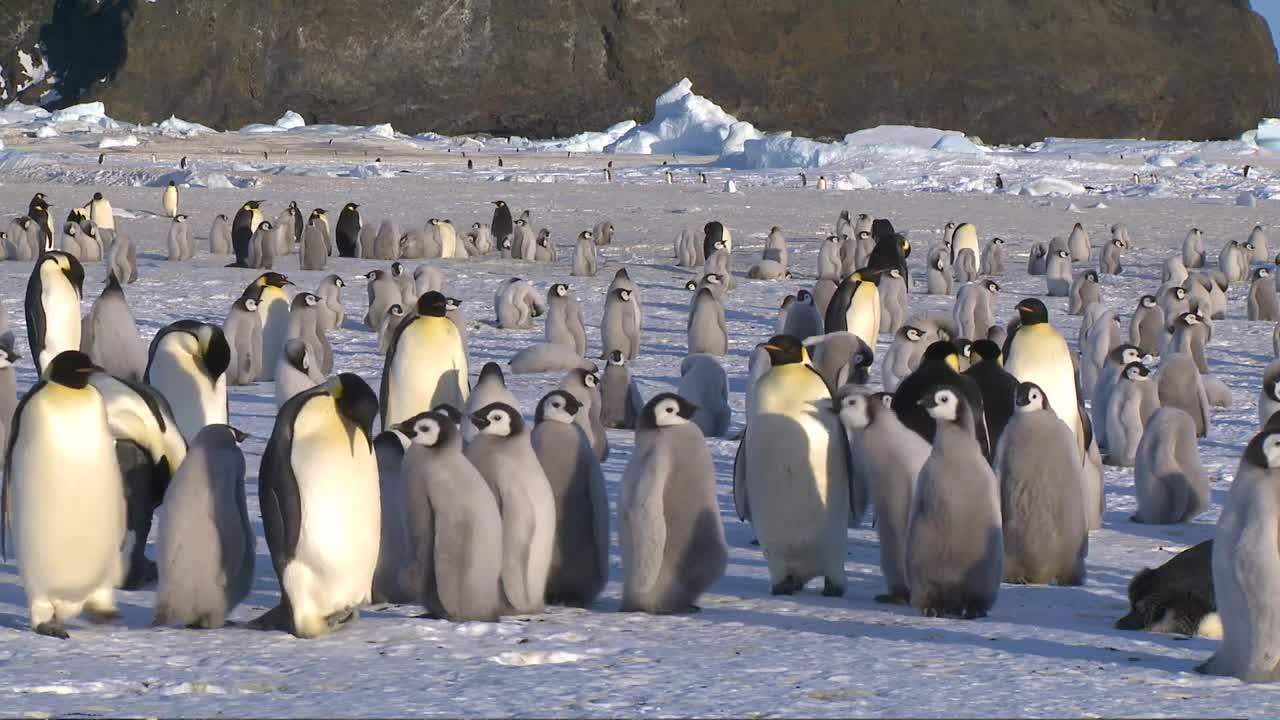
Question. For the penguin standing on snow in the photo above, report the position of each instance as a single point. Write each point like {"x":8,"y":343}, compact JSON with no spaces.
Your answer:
{"x":52,"y":306}
{"x":187,"y":363}
{"x":426,"y":364}
{"x":348,"y":231}
{"x":243,"y":226}
{"x":1037,"y":353}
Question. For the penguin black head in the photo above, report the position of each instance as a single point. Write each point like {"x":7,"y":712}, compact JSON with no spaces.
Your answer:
{"x":984,"y":351}
{"x":237,"y":435}
{"x":451,"y":304}
{"x":942,"y":403}
{"x":499,"y":203}
{"x":558,"y":406}
{"x":1032,"y":312}
{"x":1064,"y":254}
{"x":433,"y":304}
{"x":997,"y":241}
{"x":1179,"y":293}
{"x":375,"y":274}
{"x":499,"y":419}
{"x":248,"y":304}
{"x":942,"y":351}
{"x":804,"y":296}
{"x":396,"y":310}
{"x":833,"y":239}
{"x":1263,"y":450}
{"x":273,"y":279}
{"x":623,"y":294}
{"x":1190,"y":318}
{"x":992,"y":286}
{"x":98,"y":195}
{"x":1039,"y":250}
{"x":690,"y":285}
{"x":881,"y":228}
{"x":356,"y":401}
{"x":449,"y":411}
{"x":8,"y":357}
{"x":1117,"y":242}
{"x":913,"y":334}
{"x":1030,"y":397}
{"x":351,"y":206}
{"x":253,"y":204}
{"x":616,"y":358}
{"x":214,"y":349}
{"x":70,"y":368}
{"x":492,"y":371}
{"x":785,"y":350}
{"x":427,"y":429}
{"x":1147,"y":301}
{"x":665,"y":410}
{"x":1136,"y":371}
{"x":396,"y":269}
{"x":560,"y":289}
{"x":1091,"y":275}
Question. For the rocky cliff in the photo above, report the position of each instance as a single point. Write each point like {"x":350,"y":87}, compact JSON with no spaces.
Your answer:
{"x":1008,"y":70}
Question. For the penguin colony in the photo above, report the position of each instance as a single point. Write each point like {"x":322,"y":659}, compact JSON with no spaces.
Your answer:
{"x":979,"y":460}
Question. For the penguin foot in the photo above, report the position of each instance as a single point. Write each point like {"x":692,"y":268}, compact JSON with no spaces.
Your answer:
{"x":98,"y":617}
{"x":788,"y":586}
{"x":830,"y":589}
{"x":1203,"y":668}
{"x":428,"y":615}
{"x":53,"y":629}
{"x":274,"y":619}
{"x":755,"y":542}
{"x":340,"y":618}
{"x":895,"y":598}
{"x":142,"y":573}
{"x":973,"y":613}
{"x":931,"y":612}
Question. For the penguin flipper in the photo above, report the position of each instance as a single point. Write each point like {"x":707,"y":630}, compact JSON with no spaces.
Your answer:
{"x":740,"y":504}
{"x":8,"y":468}
{"x":35,"y":319}
{"x":278,"y":495}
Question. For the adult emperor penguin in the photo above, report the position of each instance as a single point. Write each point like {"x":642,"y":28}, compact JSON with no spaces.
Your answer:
{"x":187,"y":363}
{"x":503,"y":454}
{"x":797,"y":474}
{"x":714,"y":232}
{"x":1246,"y":566}
{"x":38,"y":211}
{"x":243,"y":225}
{"x":954,"y":568}
{"x":318,"y":491}
{"x":206,"y":546}
{"x":889,"y":457}
{"x":999,"y":389}
{"x":170,"y":200}
{"x":110,"y":334}
{"x":68,"y":517}
{"x":1046,"y":533}
{"x":426,"y":364}
{"x":940,"y":365}
{"x":580,"y":553}
{"x":669,"y":530}
{"x":856,"y":308}
{"x":966,"y":236}
{"x":102,"y":216}
{"x":52,"y":306}
{"x":501,"y":226}
{"x":347,"y":234}
{"x":1037,"y":353}
{"x":273,"y":313}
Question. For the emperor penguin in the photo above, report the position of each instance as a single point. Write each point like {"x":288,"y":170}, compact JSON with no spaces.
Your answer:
{"x":893,"y":300}
{"x":1037,"y":353}
{"x":669,"y":529}
{"x":856,"y":308}
{"x":491,"y":387}
{"x":1113,"y":367}
{"x":585,"y":258}
{"x":516,"y":304}
{"x":580,"y":553}
{"x":16,"y":246}
{"x":523,"y":241}
{"x":1037,"y":259}
{"x":904,"y":355}
{"x":391,"y":584}
{"x":705,"y":385}
{"x":243,"y":226}
{"x":447,"y":237}
{"x":294,"y":213}
{"x":993,"y":257}
{"x":68,"y":516}
{"x":220,"y":236}
{"x":712,"y":233}
{"x":205,"y":545}
{"x":1269,"y":395}
{"x":997,"y":387}
{"x":426,"y":364}
{"x":939,"y":280}
{"x":180,"y":239}
{"x":888,"y":456}
{"x":1233,"y":261}
{"x":1173,"y":302}
{"x":481,"y":239}
{"x":298,"y":370}
{"x":829,"y":265}
{"x":1246,"y":566}
{"x":964,"y":238}
{"x":501,"y":225}
{"x":170,"y":200}
{"x":544,"y":248}
{"x":1170,"y":484}
{"x":427,"y":278}
{"x":719,"y":261}
{"x":322,"y":218}
{"x":1193,"y":249}
{"x":347,"y":233}
{"x":706,"y":330}
{"x":52,"y":307}
{"x":262,"y":246}
{"x":602,"y":233}
{"x":1176,"y":597}
{"x":69,"y":241}
{"x":332,"y":313}
{"x":243,"y":331}
{"x":390,"y":321}
{"x":775,"y":246}
{"x":797,"y":474}
{"x":38,"y":211}
{"x":103,"y":217}
{"x":1146,"y":325}
{"x":386,"y":244}
{"x":187,"y":363}
{"x":620,"y":400}
{"x":1078,"y":244}
{"x":620,"y":326}
{"x":504,"y":455}
{"x":1057,"y":274}
{"x":319,"y":464}
{"x":565,"y":325}
{"x":1180,"y":385}
{"x":1258,"y":239}
{"x":383,"y":292}
{"x":840,"y":357}
{"x":803,"y":319}
{"x":768,"y":270}
{"x":1190,"y":333}
{"x":110,"y":334}
{"x":1097,"y":341}
{"x":954,"y":568}
{"x":585,"y":386}
{"x":1131,"y":403}
{"x":453,"y":526}
{"x":1045,"y":529}
{"x":314,"y":253}
{"x":1262,"y":304}
{"x":8,"y":388}
{"x":965,"y":266}
{"x":1109,"y":261}
{"x":688,"y":249}
{"x":1084,"y":292}
{"x":273,"y":313}
{"x":304,"y":324}
{"x":122,"y":260}
{"x":974,"y":308}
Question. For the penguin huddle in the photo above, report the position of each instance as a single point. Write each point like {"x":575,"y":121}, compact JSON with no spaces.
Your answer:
{"x":442,"y":494}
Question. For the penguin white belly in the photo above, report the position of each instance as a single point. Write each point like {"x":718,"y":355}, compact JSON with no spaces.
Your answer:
{"x":273,"y":313}
{"x":1042,"y":357}
{"x":183,"y":381}
{"x":429,"y":368}
{"x":337,"y":552}
{"x":967,"y":237}
{"x":448,"y":244}
{"x":863,"y":316}
{"x":62,"y":319}
{"x":67,"y":508}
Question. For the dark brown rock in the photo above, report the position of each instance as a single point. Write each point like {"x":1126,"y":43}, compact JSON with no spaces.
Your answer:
{"x":1007,"y":70}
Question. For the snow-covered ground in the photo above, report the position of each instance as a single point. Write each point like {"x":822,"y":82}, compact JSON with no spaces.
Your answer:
{"x":1044,"y":651}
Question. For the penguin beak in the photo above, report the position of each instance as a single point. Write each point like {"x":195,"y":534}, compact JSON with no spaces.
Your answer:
{"x":480,"y":421}
{"x":927,"y":402}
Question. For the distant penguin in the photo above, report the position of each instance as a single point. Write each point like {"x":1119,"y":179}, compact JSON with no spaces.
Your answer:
{"x":501,"y":226}
{"x":205,"y":544}
{"x":110,"y":335}
{"x":793,"y":441}
{"x":585,"y":386}
{"x":1129,"y":407}
{"x":585,"y":258}
{"x":938,"y":277}
{"x":297,"y":370}
{"x":1193,"y":249}
{"x":1038,"y":259}
{"x":993,"y":257}
{"x":706,"y":329}
{"x":503,"y":454}
{"x":1246,"y":566}
{"x":1058,"y":274}
{"x":1109,"y":261}
{"x":1168,"y":480}
{"x":426,"y":364}
{"x":705,"y":385}
{"x":347,"y":233}
{"x":1146,"y":325}
{"x":1262,"y":304}
{"x":52,"y":307}
{"x":974,"y":309}
{"x":1085,"y":291}
{"x":406,"y":284}
{"x":669,"y":529}
{"x":273,"y":313}
{"x":954,"y":569}
{"x":1045,"y":530}
{"x":965,"y":237}
{"x":893,"y":300}
{"x":170,"y":200}
{"x":565,"y":325}
{"x":319,"y":463}
{"x":243,"y":226}
{"x":620,"y":326}
{"x":181,"y":246}
{"x":187,"y":363}
{"x":620,"y":400}
{"x":1038,"y":353}
{"x":1078,"y":244}
{"x":67,"y":517}
{"x":580,"y":554}
{"x":390,"y":321}
{"x":220,"y":236}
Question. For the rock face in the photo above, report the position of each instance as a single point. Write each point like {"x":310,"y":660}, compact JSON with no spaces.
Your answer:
{"x":1008,"y":70}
